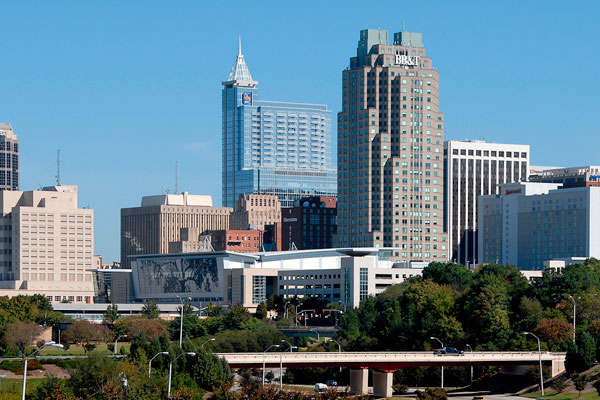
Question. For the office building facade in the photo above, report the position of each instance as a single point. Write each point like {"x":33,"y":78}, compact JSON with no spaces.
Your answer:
{"x":268,"y":147}
{"x":46,"y":245}
{"x":159,"y":221}
{"x":530,"y":223}
{"x":310,"y":224}
{"x":475,"y":168}
{"x":9,"y":158}
{"x":255,"y":211}
{"x":390,"y":150}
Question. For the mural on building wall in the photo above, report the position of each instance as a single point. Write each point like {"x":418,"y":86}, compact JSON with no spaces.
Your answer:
{"x":179,"y":275}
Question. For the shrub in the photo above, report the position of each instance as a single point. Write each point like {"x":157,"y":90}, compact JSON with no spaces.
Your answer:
{"x":400,"y":388}
{"x":17,"y":366}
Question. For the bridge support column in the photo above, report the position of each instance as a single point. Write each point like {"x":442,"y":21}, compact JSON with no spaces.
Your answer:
{"x":382,"y":383}
{"x":558,"y":366}
{"x":359,"y":381}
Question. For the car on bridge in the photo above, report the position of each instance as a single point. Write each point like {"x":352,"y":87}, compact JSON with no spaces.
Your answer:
{"x":448,"y":351}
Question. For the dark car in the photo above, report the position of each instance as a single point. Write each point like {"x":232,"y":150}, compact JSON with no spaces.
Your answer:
{"x":448,"y":351}
{"x":331,"y":382}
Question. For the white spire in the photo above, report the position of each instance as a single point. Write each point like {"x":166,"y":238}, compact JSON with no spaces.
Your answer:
{"x":240,"y":72}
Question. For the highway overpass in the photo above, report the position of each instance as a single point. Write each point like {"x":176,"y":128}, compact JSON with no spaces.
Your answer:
{"x":385,"y":363}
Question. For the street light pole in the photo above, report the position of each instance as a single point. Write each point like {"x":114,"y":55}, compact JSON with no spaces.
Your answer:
{"x":150,"y":362}
{"x":471,"y":362}
{"x":50,"y":343}
{"x":434,"y":338}
{"x":540,"y":355}
{"x":339,"y":348}
{"x":285,"y":309}
{"x":116,"y":340}
{"x":281,"y":363}
{"x":318,"y":336}
{"x":209,"y":340}
{"x":264,"y":356}
{"x":191,"y":354}
{"x":574,"y":313}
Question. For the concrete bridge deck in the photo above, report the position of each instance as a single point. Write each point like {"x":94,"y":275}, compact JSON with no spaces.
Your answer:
{"x":385,"y":363}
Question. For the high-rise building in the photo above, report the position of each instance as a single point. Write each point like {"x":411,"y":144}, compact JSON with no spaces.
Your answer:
{"x":475,"y":168}
{"x":46,"y":244}
{"x":390,"y":150}
{"x":151,"y":228}
{"x":529,"y":223}
{"x":9,"y":158}
{"x":270,"y":147}
{"x":310,"y":224}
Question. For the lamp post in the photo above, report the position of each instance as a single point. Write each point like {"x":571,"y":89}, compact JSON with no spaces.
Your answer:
{"x":287,"y":313}
{"x":285,"y":309}
{"x":281,"y":363}
{"x":181,"y":320}
{"x":264,"y":356}
{"x":50,"y":343}
{"x":339,"y":348}
{"x":318,"y":336}
{"x":574,"y":313}
{"x":209,"y":340}
{"x":540,"y":355}
{"x":116,"y":340}
{"x":434,"y":338}
{"x":471,"y":364}
{"x":191,"y":354}
{"x":150,"y":362}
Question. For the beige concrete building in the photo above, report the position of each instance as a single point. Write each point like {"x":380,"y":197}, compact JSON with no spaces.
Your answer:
{"x":254,"y":211}
{"x":390,"y":150}
{"x":46,"y":244}
{"x":150,"y":228}
{"x":9,"y":158}
{"x":475,"y":168}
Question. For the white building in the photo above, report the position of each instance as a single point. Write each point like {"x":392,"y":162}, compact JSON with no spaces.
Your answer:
{"x":334,"y":275}
{"x":46,"y":244}
{"x":529,"y":223}
{"x":474,"y":168}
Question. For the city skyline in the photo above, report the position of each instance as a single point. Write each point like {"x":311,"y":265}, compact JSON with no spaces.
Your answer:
{"x":110,"y":98}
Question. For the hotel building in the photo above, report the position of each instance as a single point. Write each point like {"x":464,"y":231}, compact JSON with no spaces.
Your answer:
{"x":390,"y":150}
{"x":475,"y":168}
{"x":269,"y":147}
{"x":530,"y":223}
{"x":46,"y":244}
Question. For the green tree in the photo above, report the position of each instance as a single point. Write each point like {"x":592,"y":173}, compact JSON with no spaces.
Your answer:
{"x":457,"y":276}
{"x":151,"y":310}
{"x":261,"y":311}
{"x":112,"y":314}
{"x":208,"y":370}
{"x":21,"y":334}
{"x":94,"y":377}
{"x":573,"y":362}
{"x":559,"y":384}
{"x":580,"y":383}
{"x":587,"y":350}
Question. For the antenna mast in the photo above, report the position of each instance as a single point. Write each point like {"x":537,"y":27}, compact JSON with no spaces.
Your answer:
{"x":176,"y":177}
{"x":58,"y":167}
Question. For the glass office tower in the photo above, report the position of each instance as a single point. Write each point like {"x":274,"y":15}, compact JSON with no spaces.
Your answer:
{"x":273,"y":147}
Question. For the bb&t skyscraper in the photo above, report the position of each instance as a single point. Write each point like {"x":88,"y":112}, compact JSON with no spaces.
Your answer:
{"x":273,"y":147}
{"x":390,"y":150}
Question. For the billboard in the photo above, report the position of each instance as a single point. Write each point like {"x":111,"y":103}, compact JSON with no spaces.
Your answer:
{"x":167,"y":277}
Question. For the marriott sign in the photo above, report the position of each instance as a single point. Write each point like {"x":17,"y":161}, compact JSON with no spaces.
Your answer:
{"x":402,"y":59}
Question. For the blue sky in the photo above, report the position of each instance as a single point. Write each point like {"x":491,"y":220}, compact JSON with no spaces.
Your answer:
{"x":126,"y":89}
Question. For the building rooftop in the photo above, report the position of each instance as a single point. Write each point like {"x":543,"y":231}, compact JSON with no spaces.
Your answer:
{"x":240,"y":72}
{"x":184,"y":199}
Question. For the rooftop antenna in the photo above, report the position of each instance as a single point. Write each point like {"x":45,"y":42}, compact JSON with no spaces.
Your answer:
{"x":403,"y":26}
{"x":176,"y":177}
{"x":240,"y":45}
{"x":58,"y":167}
